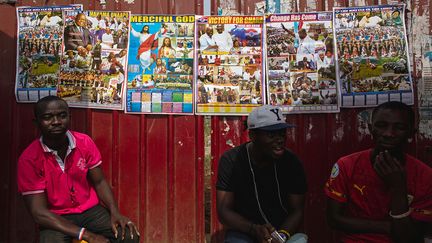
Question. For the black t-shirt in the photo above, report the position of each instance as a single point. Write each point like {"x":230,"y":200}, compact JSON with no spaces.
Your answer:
{"x":234,"y":175}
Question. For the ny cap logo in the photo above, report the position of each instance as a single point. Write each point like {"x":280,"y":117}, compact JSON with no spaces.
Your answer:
{"x":276,"y":112}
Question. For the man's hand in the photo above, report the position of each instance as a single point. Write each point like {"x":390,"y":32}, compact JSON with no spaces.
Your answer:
{"x":119,"y":220}
{"x":263,"y":232}
{"x":390,"y":170}
{"x":105,"y":194}
{"x":94,"y":238}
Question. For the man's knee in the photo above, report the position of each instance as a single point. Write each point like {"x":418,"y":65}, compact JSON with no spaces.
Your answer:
{"x":48,"y":236}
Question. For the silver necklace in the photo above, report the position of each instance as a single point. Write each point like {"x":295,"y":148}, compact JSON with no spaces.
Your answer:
{"x":256,"y":190}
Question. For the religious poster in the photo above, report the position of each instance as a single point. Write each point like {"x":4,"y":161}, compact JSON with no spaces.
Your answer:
{"x":160,"y":64}
{"x":372,"y":55}
{"x":301,"y":75}
{"x":40,"y":34}
{"x":93,"y":65}
{"x":230,"y":65}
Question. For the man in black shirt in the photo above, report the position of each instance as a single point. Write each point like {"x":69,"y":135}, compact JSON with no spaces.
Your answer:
{"x":261,"y":184}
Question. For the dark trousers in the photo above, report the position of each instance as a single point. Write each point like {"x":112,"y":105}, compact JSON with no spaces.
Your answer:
{"x":96,"y":220}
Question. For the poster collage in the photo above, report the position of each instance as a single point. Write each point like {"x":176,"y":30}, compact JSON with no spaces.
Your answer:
{"x":301,"y":68}
{"x":160,"y":69}
{"x":94,"y":59}
{"x":313,"y":62}
{"x":230,"y":72}
{"x":40,"y":35}
{"x":372,"y":55}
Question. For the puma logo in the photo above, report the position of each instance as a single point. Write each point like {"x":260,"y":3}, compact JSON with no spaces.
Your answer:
{"x":360,"y":189}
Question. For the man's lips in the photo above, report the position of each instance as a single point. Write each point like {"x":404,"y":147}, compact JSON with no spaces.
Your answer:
{"x":278,"y":150}
{"x":57,"y":130}
{"x":388,"y":144}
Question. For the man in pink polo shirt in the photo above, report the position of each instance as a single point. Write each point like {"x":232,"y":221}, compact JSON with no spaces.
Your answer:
{"x":382,"y":195}
{"x":61,"y":181}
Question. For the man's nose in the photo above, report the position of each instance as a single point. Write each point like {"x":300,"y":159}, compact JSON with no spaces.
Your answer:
{"x":56,"y":120}
{"x":389,"y":131}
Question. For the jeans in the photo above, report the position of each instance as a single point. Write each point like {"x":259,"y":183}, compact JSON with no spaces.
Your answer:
{"x":97,"y":220}
{"x":232,"y":236}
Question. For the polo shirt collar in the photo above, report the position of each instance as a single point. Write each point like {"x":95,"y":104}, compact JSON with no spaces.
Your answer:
{"x":72,"y":143}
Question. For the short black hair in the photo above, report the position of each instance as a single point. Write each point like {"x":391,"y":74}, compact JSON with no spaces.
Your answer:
{"x":399,"y":106}
{"x":41,"y":102}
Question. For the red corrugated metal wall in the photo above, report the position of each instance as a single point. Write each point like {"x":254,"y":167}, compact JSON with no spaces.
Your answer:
{"x":155,"y":163}
{"x":318,"y":139}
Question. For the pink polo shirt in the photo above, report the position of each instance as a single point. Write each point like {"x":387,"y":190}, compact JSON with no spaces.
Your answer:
{"x":41,"y":170}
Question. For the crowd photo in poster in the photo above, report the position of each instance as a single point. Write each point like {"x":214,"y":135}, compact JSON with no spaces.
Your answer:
{"x":94,"y":59}
{"x":40,"y":34}
{"x":229,"y":71}
{"x":160,"y":69}
{"x":300,"y":63}
{"x":372,"y":55}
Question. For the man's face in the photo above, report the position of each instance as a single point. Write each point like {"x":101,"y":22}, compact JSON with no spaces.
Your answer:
{"x":53,"y":119}
{"x":209,"y":31}
{"x":219,"y":28}
{"x":70,"y":54}
{"x":302,"y":33}
{"x":390,"y":129}
{"x":81,"y":50}
{"x":146,"y":29}
{"x":270,"y":143}
{"x":81,"y":20}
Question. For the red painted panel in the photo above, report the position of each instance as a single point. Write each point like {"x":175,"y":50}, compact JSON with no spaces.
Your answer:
{"x":8,"y":110}
{"x":199,"y":160}
{"x":127,"y":161}
{"x":88,"y":5}
{"x":185,"y":7}
{"x":143,"y":178}
{"x":157,"y":179}
{"x":22,"y":138}
{"x":184,"y":171}
{"x":215,"y":227}
{"x":136,"y":8}
{"x":101,"y":120}
{"x":79,"y":120}
{"x":313,"y":139}
{"x":163,"y":7}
